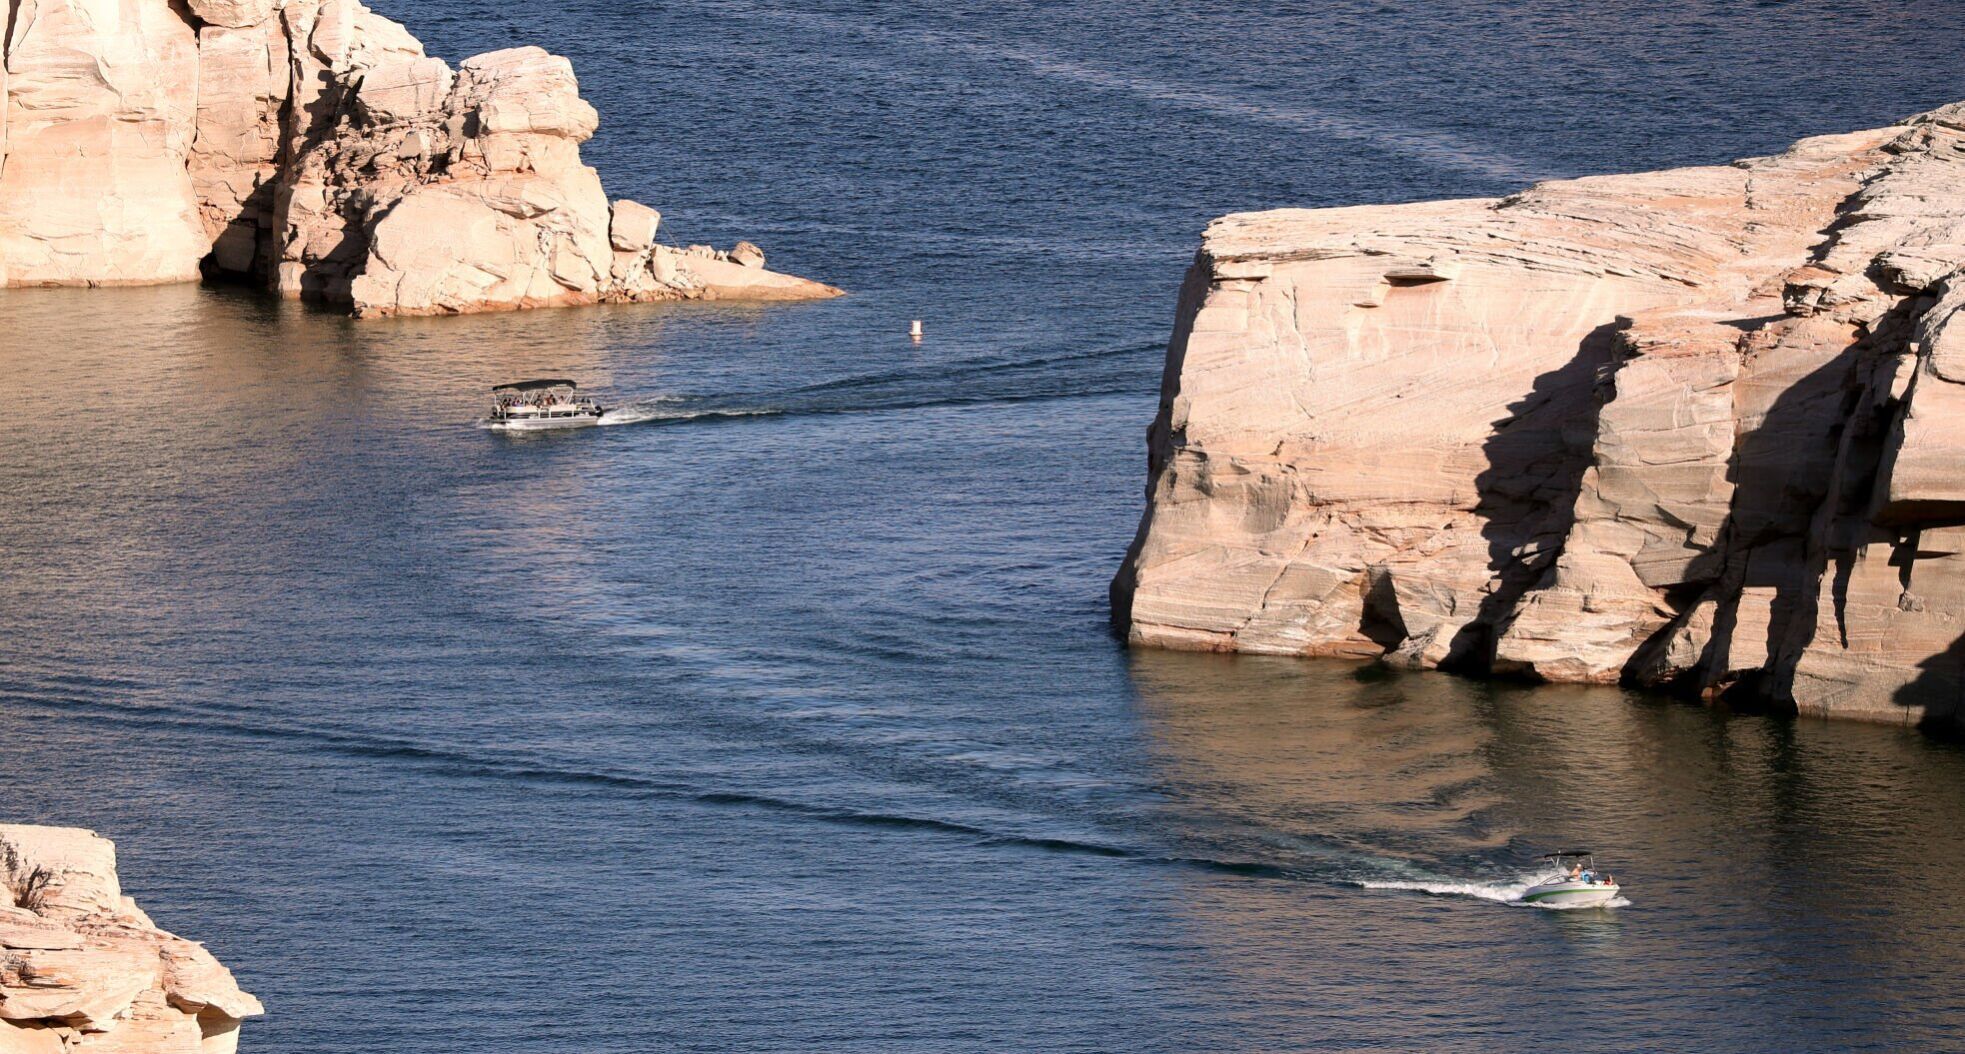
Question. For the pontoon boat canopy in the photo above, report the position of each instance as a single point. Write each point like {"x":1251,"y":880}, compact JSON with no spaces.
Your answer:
{"x":528,"y":386}
{"x":1567,"y":852}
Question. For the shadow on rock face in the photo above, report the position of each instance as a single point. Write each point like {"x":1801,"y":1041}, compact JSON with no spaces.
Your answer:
{"x":1940,"y":690}
{"x":1763,"y":603}
{"x":1536,"y":459}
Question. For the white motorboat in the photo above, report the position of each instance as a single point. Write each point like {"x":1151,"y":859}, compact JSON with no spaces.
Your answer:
{"x":1580,"y":885}
{"x":529,"y":406}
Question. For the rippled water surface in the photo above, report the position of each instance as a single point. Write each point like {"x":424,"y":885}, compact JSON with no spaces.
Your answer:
{"x":787,"y":719}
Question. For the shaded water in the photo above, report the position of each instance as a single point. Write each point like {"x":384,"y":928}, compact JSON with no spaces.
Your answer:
{"x":788,"y":719}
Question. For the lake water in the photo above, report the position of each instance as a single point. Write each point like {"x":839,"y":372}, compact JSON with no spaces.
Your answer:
{"x":788,"y":719}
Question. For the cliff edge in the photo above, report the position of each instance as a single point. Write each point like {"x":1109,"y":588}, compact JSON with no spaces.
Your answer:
{"x":82,"y":968}
{"x":311,"y":146}
{"x":1697,"y":429}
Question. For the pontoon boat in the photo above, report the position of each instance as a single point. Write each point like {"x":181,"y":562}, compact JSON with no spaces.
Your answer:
{"x":527,"y":406}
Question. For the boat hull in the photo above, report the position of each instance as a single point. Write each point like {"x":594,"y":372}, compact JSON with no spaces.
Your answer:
{"x":1571,"y":894}
{"x":541,"y":424}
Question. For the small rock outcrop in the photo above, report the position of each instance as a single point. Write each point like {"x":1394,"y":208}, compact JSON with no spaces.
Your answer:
{"x":83,"y":968}
{"x":312,"y":146}
{"x":1690,"y":429}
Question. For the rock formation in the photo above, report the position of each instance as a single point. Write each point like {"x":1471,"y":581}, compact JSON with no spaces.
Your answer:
{"x":95,"y":130}
{"x":1693,"y":429}
{"x":83,"y":969}
{"x":312,"y":146}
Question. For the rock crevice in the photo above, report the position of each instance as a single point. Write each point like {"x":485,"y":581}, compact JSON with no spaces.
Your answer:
{"x":1687,"y":429}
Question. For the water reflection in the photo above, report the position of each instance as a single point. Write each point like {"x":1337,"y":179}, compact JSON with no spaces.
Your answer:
{"x":1803,"y":864}
{"x":1342,"y":752}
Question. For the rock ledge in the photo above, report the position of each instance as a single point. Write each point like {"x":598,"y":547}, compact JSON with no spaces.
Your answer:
{"x":83,"y":968}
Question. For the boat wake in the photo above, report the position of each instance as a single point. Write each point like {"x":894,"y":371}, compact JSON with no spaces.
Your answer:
{"x":1011,"y":375}
{"x":1501,"y":892}
{"x":669,"y":408}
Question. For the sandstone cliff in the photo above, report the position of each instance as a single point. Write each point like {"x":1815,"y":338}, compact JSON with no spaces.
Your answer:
{"x":312,"y":146}
{"x":83,"y":969}
{"x":1695,"y":429}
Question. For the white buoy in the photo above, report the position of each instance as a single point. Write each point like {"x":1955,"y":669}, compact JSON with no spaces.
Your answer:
{"x":915,"y":330}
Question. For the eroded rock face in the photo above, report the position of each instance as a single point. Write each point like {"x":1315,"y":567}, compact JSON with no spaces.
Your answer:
{"x":99,"y":115}
{"x":311,"y":145}
{"x":244,"y":81}
{"x":82,"y":968}
{"x":1661,"y":428}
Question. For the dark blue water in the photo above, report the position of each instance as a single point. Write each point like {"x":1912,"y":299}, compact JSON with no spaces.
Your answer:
{"x":789,"y":720}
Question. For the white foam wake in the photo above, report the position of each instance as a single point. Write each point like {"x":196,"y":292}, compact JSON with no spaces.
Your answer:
{"x":628,"y":415}
{"x":1502,"y":892}
{"x":663,"y":409}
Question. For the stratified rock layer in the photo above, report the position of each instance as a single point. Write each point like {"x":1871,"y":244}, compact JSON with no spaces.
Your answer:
{"x":82,"y":968}
{"x":1690,"y":429}
{"x":313,"y":146}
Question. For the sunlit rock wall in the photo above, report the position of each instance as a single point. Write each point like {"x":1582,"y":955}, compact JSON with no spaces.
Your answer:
{"x":96,"y":125}
{"x":1669,"y":428}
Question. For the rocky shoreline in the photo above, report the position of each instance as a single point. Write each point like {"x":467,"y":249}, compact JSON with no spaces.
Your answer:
{"x":83,"y":968}
{"x":311,"y":147}
{"x":1691,"y":430}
